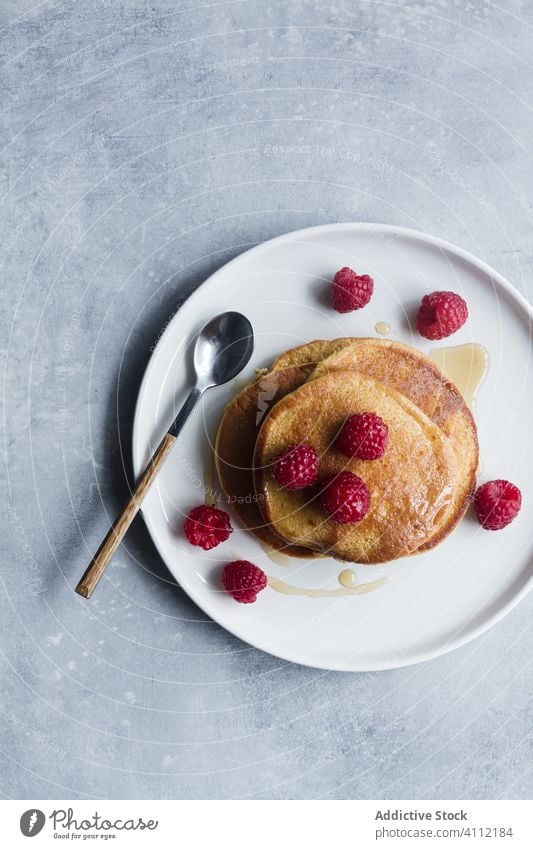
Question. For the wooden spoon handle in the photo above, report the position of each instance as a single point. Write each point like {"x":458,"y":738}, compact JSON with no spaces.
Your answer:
{"x":98,"y":564}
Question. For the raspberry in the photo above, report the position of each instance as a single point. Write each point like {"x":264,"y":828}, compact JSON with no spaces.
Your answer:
{"x":345,"y":498}
{"x":207,"y":526}
{"x":243,"y":581}
{"x":363,"y":435}
{"x":441,"y":314}
{"x":295,"y":467}
{"x":496,"y":504}
{"x":350,"y":291}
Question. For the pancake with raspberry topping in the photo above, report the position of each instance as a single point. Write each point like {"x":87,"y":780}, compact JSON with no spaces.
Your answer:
{"x":411,"y":486}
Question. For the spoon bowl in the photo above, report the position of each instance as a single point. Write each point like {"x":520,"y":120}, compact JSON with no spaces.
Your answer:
{"x":222,"y":349}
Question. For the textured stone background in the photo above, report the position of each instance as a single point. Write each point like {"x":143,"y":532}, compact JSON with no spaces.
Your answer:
{"x":143,"y":145}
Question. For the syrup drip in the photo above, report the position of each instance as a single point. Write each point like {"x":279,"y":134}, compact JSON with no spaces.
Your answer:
{"x":466,"y":365}
{"x":382,"y":328}
{"x":347,"y":578}
{"x":275,"y":556}
{"x":288,"y":589}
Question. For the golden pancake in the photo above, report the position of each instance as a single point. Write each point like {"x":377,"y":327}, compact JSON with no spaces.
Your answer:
{"x":234,"y":450}
{"x":411,"y":485}
{"x":410,"y":372}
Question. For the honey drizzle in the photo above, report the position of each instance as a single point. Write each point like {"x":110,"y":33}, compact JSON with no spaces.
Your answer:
{"x":288,"y":589}
{"x":275,"y":556}
{"x":347,"y":578}
{"x":466,"y":365}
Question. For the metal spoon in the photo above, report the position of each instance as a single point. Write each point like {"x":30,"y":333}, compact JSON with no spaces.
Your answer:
{"x":222,"y":349}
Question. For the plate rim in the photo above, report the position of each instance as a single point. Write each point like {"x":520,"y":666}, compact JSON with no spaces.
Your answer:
{"x":293,"y":235}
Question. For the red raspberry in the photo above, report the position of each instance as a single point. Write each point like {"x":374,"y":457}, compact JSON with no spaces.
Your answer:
{"x":345,"y":498}
{"x":441,"y":314}
{"x":207,"y":526}
{"x":350,"y":291}
{"x":295,"y":467}
{"x":363,"y":435}
{"x":496,"y":504}
{"x":243,"y":581}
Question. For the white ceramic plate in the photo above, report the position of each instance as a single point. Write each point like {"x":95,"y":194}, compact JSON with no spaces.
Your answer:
{"x":431,"y":603}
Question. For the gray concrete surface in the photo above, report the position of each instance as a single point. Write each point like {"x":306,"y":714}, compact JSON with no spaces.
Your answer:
{"x":143,"y":145}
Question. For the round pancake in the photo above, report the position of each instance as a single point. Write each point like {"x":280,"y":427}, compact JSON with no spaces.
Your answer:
{"x":408,"y":499}
{"x":234,"y":450}
{"x":410,"y":372}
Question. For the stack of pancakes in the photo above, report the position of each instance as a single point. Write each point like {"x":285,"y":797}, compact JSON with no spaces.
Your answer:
{"x":419,"y":489}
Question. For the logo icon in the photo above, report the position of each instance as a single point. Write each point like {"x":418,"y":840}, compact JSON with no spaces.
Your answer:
{"x":32,"y":822}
